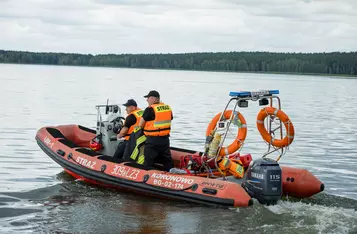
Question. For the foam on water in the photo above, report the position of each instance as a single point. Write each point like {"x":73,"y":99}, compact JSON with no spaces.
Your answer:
{"x":321,"y":218}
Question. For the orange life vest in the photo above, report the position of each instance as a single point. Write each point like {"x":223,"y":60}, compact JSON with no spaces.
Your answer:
{"x":137,"y":113}
{"x":161,"y":125}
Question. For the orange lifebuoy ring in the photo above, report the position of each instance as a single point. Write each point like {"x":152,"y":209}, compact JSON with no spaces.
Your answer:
{"x":242,"y":132}
{"x":286,"y":121}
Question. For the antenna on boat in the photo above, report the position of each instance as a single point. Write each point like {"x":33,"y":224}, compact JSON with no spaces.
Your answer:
{"x":107,"y":107}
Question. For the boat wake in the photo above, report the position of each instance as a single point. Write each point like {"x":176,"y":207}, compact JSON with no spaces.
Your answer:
{"x":49,"y":208}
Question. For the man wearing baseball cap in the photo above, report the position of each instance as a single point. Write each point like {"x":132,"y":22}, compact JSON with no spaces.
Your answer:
{"x":156,"y":124}
{"x":131,"y":121}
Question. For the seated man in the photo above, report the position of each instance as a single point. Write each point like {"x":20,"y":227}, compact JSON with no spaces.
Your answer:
{"x":134,"y":149}
{"x":131,"y":121}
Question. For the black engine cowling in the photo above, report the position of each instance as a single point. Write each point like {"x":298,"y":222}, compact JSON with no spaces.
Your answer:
{"x":263,"y":181}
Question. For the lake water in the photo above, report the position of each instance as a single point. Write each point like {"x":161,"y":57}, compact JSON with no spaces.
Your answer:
{"x":37,"y":196}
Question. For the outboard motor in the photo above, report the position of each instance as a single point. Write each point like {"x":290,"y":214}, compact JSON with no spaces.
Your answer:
{"x":263,"y":181}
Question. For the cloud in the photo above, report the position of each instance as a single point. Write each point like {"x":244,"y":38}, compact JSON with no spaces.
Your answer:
{"x":165,"y":26}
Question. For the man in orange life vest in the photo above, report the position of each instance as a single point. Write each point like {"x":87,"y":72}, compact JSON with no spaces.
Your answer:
{"x":156,"y":124}
{"x":131,"y":121}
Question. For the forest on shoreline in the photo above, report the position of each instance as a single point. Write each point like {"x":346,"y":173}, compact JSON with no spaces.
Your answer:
{"x":334,"y":63}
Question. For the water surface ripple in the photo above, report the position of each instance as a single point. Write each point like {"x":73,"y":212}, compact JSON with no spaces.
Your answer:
{"x":36,"y":196}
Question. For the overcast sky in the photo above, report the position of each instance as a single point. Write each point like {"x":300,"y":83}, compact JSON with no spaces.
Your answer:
{"x":166,"y":26}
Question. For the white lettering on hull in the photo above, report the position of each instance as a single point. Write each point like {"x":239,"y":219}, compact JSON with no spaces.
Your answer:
{"x":173,"y":178}
{"x":126,"y":172}
{"x":48,"y":142}
{"x":85,"y":162}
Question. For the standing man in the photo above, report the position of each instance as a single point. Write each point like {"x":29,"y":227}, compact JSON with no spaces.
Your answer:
{"x":131,"y":121}
{"x":156,"y":124}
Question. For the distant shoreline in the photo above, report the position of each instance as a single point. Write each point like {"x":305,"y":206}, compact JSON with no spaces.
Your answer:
{"x":322,"y":64}
{"x":173,"y":69}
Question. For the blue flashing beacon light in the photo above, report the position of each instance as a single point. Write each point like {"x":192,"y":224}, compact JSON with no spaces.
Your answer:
{"x":253,"y":94}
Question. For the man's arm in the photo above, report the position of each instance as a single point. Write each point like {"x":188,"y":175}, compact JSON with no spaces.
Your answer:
{"x":148,"y":115}
{"x":129,"y":121}
{"x":142,"y":123}
{"x":123,"y":132}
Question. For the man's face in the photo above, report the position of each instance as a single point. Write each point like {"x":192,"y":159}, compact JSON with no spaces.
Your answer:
{"x":151,"y":100}
{"x":129,"y":109}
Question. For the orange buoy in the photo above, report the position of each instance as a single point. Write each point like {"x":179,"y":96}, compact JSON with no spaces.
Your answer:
{"x":286,"y":121}
{"x":241,"y":134}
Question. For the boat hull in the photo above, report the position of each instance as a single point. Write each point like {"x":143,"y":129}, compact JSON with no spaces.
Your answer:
{"x":107,"y":171}
{"x":68,"y":146}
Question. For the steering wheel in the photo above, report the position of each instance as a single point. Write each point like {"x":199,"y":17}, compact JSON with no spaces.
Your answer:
{"x":118,"y":124}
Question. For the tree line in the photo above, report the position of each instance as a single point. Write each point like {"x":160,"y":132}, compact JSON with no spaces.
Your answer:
{"x":339,"y":63}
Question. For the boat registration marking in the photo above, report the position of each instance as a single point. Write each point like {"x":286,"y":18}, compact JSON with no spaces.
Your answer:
{"x":168,"y":184}
{"x":170,"y":181}
{"x":125,"y":172}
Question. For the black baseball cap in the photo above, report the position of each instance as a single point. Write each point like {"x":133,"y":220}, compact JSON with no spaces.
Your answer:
{"x":153,"y":93}
{"x":130,"y":102}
